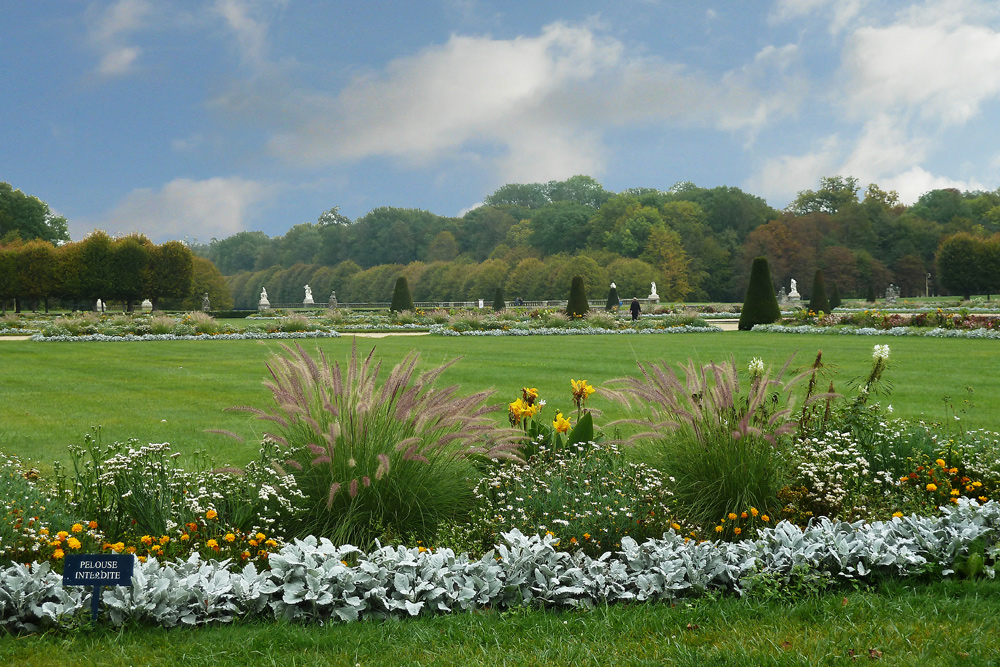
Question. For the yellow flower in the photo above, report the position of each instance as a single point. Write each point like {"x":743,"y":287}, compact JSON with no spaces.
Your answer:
{"x":732,"y":516}
{"x":73,"y":543}
{"x":764,"y":518}
{"x":718,"y":529}
{"x":58,"y":553}
{"x":941,"y":463}
{"x":62,"y":534}
{"x":561,"y":425}
{"x":743,"y":515}
{"x":271,"y":543}
{"x":43,"y":531}
{"x":955,"y":492}
{"x":229,"y":537}
{"x":753,"y":510}
{"x":932,"y":487}
{"x":983,"y":499}
{"x":952,"y":471}
{"x":586,"y":536}
{"x":737,"y":530}
{"x":92,"y":525}
{"x":977,"y":484}
{"x":146,"y":539}
{"x":675,"y":526}
{"x":212,"y":544}
{"x":77,"y":528}
{"x":185,"y":537}
{"x":260,"y":536}
{"x":572,"y":540}
{"x":897,"y":515}
{"x":581,"y":390}
{"x":529,"y":394}
{"x":211,"y":514}
{"x":164,"y":540}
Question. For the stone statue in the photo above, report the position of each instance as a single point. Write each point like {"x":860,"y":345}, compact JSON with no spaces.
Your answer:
{"x":333,"y":300}
{"x":308,"y":301}
{"x":613,"y":286}
{"x":264,"y":303}
{"x":793,"y":294}
{"x":263,"y":294}
{"x":206,"y":305}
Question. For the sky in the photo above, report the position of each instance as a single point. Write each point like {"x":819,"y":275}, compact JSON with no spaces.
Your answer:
{"x":197,"y":119}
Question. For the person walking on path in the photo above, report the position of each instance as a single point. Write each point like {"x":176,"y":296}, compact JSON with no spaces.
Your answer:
{"x":635,"y":308}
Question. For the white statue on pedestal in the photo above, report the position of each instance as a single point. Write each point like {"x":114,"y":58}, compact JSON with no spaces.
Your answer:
{"x":309,"y":296}
{"x":794,"y":293}
{"x":653,"y":296}
{"x":264,"y":303}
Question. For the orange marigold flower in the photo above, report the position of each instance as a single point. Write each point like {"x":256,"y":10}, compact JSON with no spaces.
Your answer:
{"x":146,"y":539}
{"x":764,"y":518}
{"x":58,"y":554}
{"x":92,"y":525}
{"x":732,"y":516}
{"x":737,"y":530}
{"x":743,"y":515}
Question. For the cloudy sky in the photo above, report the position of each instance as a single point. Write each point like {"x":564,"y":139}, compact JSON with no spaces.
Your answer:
{"x":201,"y":118}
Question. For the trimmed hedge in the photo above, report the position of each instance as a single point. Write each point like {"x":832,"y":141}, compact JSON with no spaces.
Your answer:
{"x":761,"y":303}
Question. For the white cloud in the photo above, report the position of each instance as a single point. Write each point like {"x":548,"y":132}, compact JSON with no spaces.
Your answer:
{"x":245,"y":19}
{"x":782,"y":178}
{"x":914,"y":182}
{"x":945,"y":71}
{"x":183,"y":207}
{"x":109,"y":31}
{"x":839,"y":13}
{"x":539,"y":102}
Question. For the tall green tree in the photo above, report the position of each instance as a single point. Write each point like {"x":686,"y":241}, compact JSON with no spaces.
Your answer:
{"x":761,"y":303}
{"x":960,"y":261}
{"x":130,"y":256}
{"x":29,"y":217}
{"x":170,"y":272}
{"x":35,"y":266}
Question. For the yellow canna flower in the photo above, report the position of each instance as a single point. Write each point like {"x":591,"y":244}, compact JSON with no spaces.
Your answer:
{"x":561,"y":425}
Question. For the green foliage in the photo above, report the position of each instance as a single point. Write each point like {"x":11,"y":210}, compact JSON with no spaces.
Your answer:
{"x":28,"y":217}
{"x":870,"y":294}
{"x":723,"y":449}
{"x":818,"y":303}
{"x":371,"y":461}
{"x":577,"y":305}
{"x":834,"y":297}
{"x":401,"y":299}
{"x":498,"y":303}
{"x":761,"y":304}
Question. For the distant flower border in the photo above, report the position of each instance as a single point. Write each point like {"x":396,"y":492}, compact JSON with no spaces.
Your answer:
{"x":443,"y":330}
{"x":871,"y":331}
{"x":132,"y":338}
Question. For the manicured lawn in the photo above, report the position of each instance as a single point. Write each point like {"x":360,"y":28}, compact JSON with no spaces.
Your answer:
{"x":947,"y":623}
{"x":52,"y":393}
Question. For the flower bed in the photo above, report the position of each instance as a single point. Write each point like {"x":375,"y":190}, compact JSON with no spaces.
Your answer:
{"x":936,"y":332}
{"x":127,"y":338}
{"x":192,"y":326}
{"x":316,"y":581}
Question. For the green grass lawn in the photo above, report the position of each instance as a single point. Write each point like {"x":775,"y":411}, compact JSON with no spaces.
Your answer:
{"x":52,"y":393}
{"x":947,"y":623}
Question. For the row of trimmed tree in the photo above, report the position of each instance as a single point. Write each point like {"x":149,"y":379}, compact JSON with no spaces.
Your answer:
{"x":127,"y":269}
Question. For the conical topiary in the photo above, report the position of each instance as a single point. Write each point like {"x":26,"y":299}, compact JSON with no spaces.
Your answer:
{"x":401,"y":299}
{"x":761,"y":304}
{"x":498,"y":303}
{"x":818,"y":303}
{"x":870,"y":295}
{"x":613,"y":299}
{"x":577,"y":306}
{"x":834,"y":297}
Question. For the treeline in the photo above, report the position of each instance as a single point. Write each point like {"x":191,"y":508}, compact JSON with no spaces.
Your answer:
{"x":696,"y":243}
{"x":127,"y":269}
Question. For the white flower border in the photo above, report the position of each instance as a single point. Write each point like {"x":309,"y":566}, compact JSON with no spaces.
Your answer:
{"x":444,"y":330}
{"x":871,"y":331}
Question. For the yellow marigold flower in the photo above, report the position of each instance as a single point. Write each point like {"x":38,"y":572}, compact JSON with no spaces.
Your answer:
{"x":142,"y":559}
{"x":77,"y":528}
{"x":977,"y":484}
{"x":897,"y":515}
{"x":229,"y":537}
{"x":43,"y":531}
{"x":932,"y":487}
{"x":586,"y":536}
{"x":73,"y":543}
{"x":743,"y":515}
{"x":165,"y":539}
{"x":572,"y":540}
{"x":212,"y":544}
{"x":62,"y":534}
{"x":550,"y":533}
{"x":561,"y":425}
{"x":185,"y":537}
{"x":211,"y":514}
{"x":718,"y":529}
{"x":732,"y":516}
{"x":92,"y":525}
{"x":58,"y":554}
{"x":675,"y":526}
{"x":271,"y":543}
{"x":941,"y":463}
{"x":260,"y":536}
{"x":983,"y":499}
{"x":955,"y":492}
{"x":764,"y":518}
{"x":253,"y":543}
{"x":753,"y":510}
{"x":156,"y":549}
{"x":737,"y":530}
{"x":130,"y":550}
{"x":146,"y":539}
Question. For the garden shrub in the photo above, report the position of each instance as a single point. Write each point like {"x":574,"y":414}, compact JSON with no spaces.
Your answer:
{"x":498,"y":303}
{"x":613,"y":300}
{"x":723,"y":448}
{"x":369,"y":460}
{"x":761,"y":304}
{"x":834,"y":296}
{"x":401,"y":299}
{"x":818,"y":303}
{"x":577,"y":305}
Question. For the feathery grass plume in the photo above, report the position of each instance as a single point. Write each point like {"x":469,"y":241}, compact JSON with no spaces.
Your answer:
{"x":720,"y":439}
{"x":373,"y":460}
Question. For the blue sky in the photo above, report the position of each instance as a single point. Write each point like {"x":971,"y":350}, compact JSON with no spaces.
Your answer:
{"x":202,"y":118}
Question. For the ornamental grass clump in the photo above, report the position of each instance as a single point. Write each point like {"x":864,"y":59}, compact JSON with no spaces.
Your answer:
{"x":721,"y":440}
{"x":392,"y":461}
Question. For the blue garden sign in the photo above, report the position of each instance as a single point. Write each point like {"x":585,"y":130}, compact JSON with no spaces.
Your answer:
{"x":98,"y":570}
